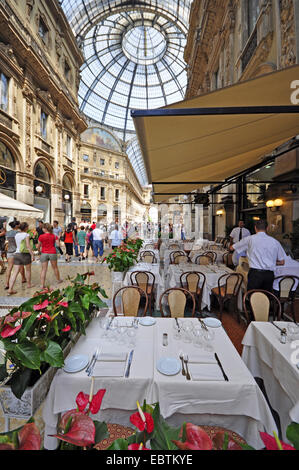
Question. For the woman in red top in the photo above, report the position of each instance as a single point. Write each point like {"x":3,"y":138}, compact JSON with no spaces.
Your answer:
{"x":68,"y":239}
{"x":47,"y":247}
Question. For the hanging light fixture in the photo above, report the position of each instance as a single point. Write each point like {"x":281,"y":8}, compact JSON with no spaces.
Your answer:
{"x":66,"y":197}
{"x":39,"y":189}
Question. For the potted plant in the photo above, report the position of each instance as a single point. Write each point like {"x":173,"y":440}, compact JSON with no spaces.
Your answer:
{"x":120,"y":260}
{"x":36,"y":337}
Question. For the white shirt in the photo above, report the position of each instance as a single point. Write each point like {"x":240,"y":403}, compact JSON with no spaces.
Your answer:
{"x":235,"y":233}
{"x":116,"y":237}
{"x":97,"y":234}
{"x":262,"y":251}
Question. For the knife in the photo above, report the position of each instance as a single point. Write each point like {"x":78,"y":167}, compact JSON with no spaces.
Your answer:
{"x":129,"y":363}
{"x":220,"y":365}
{"x":203,"y":325}
{"x":177,"y":323}
{"x":280,"y":329}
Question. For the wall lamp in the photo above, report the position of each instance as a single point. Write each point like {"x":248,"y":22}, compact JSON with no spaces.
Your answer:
{"x":219,"y":212}
{"x":274,"y":205}
{"x":39,"y":189}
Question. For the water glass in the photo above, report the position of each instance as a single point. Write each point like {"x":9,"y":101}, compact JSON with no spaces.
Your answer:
{"x":208,"y":336}
{"x":198,"y":341}
{"x":131,"y":334}
{"x":293,"y":331}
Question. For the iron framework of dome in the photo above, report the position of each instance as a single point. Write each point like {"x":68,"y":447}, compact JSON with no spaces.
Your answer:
{"x":133,"y":60}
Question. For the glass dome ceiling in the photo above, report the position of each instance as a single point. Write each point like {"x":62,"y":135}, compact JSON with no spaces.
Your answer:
{"x":133,"y":60}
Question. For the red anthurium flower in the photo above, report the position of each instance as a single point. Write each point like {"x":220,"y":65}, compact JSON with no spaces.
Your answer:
{"x":141,"y":425}
{"x":271,"y":443}
{"x":196,"y":439}
{"x":46,"y":316}
{"x":137,"y":447}
{"x":82,"y":401}
{"x":96,"y":401}
{"x":29,"y":437}
{"x":218,"y":442}
{"x":9,"y":331}
{"x":63,"y":304}
{"x":81,"y":431}
{"x":16,"y":316}
{"x":67,"y":328}
{"x":44,"y":304}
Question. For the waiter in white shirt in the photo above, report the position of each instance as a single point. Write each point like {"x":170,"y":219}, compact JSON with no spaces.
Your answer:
{"x":264,"y":253}
{"x":237,"y":234}
{"x":116,"y":237}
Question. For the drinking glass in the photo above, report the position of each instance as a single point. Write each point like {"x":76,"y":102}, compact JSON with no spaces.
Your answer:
{"x":131,"y":334}
{"x":293,"y":331}
{"x":208,"y":336}
{"x":197,"y":333}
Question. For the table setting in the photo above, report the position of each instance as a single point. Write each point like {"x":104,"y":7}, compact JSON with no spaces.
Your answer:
{"x":276,"y":362}
{"x":190,"y":368}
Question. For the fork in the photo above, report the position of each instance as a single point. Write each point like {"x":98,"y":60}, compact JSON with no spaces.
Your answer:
{"x":186,"y":359}
{"x":181,"y":356}
{"x":92,"y":363}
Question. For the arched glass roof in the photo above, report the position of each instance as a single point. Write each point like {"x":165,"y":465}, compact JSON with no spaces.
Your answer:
{"x":133,"y":60}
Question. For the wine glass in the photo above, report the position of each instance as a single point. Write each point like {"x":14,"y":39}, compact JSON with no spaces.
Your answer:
{"x":208,"y":336}
{"x":131,"y":334}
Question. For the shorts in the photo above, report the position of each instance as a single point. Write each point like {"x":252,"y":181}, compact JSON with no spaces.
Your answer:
{"x":82,"y":248}
{"x":44,"y":257}
{"x":10,"y":255}
{"x":22,"y":259}
{"x":69,"y":249}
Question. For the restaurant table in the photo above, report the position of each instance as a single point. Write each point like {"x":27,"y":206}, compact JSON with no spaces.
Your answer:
{"x":154,"y":250}
{"x":153,"y":268}
{"x":290,"y":268}
{"x":236,"y":404}
{"x":275,"y":363}
{"x":211,"y":272}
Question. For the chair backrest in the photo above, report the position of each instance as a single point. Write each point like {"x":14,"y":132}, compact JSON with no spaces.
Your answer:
{"x":176,"y":298}
{"x":192,"y":279}
{"x":286,"y":284}
{"x":214,"y":247}
{"x":174,"y":254}
{"x":174,"y":246}
{"x":142,"y":279}
{"x":149,"y":246}
{"x":212,"y":254}
{"x":180,"y":259}
{"x":130,"y":300}
{"x":231,"y":282}
{"x":203,"y":259}
{"x":228,"y":258}
{"x":148,"y":257}
{"x":260,"y":302}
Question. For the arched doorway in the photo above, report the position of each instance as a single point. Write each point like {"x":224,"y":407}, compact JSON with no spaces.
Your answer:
{"x":67,"y":199}
{"x":85,"y":211}
{"x":42,"y":190}
{"x":7,"y":172}
{"x":116,"y":214}
{"x":102,"y":213}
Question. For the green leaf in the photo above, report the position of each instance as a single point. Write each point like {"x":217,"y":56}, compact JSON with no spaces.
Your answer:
{"x":53,"y":355}
{"x":85,"y":301}
{"x":119,"y":444}
{"x":3,"y":372}
{"x":28,"y":354}
{"x":292,"y":434}
{"x":163,"y":434}
{"x":101,"y":431}
{"x":26,"y":325}
{"x":19,"y":382}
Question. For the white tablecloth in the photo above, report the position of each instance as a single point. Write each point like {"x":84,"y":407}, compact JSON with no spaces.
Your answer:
{"x":237,"y":404}
{"x":212,"y":274}
{"x":275,"y":363}
{"x":291,"y":267}
{"x":153,"y":268}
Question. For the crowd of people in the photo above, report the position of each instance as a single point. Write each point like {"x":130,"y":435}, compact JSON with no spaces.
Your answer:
{"x":20,"y":246}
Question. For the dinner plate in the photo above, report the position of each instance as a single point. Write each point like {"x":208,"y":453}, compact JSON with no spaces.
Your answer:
{"x":168,"y":365}
{"x":75,"y":363}
{"x":147,"y":321}
{"x":212,"y":322}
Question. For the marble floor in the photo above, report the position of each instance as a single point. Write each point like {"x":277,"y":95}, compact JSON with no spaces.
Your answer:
{"x":67,"y":270}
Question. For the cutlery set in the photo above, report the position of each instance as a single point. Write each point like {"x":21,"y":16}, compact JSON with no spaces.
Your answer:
{"x":185,"y":371}
{"x":90,"y":367}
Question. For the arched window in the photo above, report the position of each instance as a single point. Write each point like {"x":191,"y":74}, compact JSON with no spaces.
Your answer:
{"x":7,"y":172}
{"x":42,"y":173}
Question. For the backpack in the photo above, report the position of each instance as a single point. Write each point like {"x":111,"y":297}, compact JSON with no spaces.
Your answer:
{"x":23,"y":246}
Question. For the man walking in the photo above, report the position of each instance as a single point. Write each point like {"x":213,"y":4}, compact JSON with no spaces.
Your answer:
{"x":264,"y":253}
{"x":98,"y":246}
{"x":236,"y":235}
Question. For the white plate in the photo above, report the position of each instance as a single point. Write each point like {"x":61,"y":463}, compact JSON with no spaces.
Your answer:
{"x":212,"y":322}
{"x":75,"y":363}
{"x":169,"y":365}
{"x":147,"y":321}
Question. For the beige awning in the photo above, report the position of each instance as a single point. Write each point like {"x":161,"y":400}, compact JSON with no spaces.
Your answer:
{"x":212,"y":148}
{"x":10,"y":207}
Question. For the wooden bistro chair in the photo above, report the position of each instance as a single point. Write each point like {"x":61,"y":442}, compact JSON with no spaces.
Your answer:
{"x":174,"y":246}
{"x":146,"y":281}
{"x":286,"y":294}
{"x":212,"y":254}
{"x":190,"y":280}
{"x":228,"y":290}
{"x":149,"y":246}
{"x":203,"y":259}
{"x":148,"y":257}
{"x":176,"y":299}
{"x":130,"y":297}
{"x":174,"y":254}
{"x":260,"y":301}
{"x":228,"y":259}
{"x":181,"y":259}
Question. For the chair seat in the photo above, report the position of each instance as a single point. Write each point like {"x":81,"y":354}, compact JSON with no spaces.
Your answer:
{"x":215,"y":291}
{"x":192,"y":292}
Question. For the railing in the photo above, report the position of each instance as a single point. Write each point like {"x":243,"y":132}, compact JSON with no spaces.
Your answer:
{"x":249,"y":50}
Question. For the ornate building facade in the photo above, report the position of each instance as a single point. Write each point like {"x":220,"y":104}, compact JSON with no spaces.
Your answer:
{"x":40,"y":124}
{"x":233,"y":41}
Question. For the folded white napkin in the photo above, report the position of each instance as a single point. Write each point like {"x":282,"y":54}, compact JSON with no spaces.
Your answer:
{"x":202,"y":358}
{"x":109,"y":369}
{"x":117,"y":356}
{"x":206,"y":372}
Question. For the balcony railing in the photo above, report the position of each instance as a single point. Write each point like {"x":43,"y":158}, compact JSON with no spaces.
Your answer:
{"x":249,"y":49}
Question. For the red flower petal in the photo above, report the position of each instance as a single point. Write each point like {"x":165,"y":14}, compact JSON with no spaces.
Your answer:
{"x":136,"y":447}
{"x":63,"y":304}
{"x":67,"y":328}
{"x":271,"y":444}
{"x":82,"y":430}
{"x":29,"y":437}
{"x":196,"y":439}
{"x":9,"y":331}
{"x":44,"y":304}
{"x":97,"y":401}
{"x":137,"y":421}
{"x":82,"y":401}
